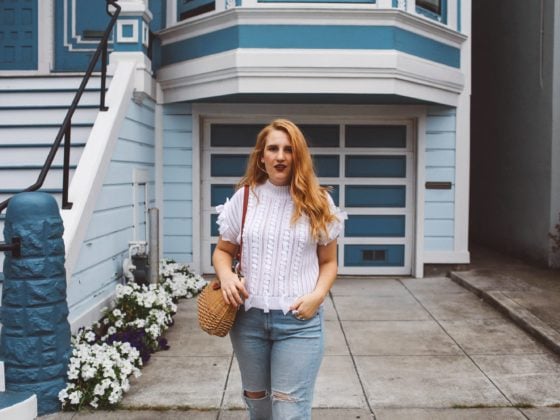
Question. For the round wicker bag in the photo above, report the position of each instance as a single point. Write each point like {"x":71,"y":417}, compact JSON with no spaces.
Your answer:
{"x":215,"y":316}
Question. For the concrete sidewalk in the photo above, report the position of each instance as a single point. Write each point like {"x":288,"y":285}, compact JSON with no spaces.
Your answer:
{"x":396,"y":348}
{"x":528,"y":295}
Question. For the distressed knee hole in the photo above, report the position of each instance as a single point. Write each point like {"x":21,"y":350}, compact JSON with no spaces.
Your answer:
{"x":255,"y":395}
{"x":282,"y":396}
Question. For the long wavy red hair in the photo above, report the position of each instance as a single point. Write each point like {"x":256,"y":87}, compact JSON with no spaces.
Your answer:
{"x":309,"y":197}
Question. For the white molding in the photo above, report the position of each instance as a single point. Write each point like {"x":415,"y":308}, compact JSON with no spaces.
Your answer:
{"x":420,"y":196}
{"x":45,"y":43}
{"x":171,"y":13}
{"x":94,"y":162}
{"x":158,"y":146}
{"x":443,"y":257}
{"x":304,"y":14}
{"x":452,"y":14}
{"x":462,"y":146}
{"x":311,"y":71}
{"x":196,"y":193}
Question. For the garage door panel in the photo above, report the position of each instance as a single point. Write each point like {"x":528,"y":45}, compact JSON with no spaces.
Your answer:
{"x":374,"y":255}
{"x":375,"y":196}
{"x":375,"y":166}
{"x":377,"y":136}
{"x":375,"y":226}
{"x":234,"y":135}
{"x":220,"y":192}
{"x":228,"y":165}
{"x":321,"y":135}
{"x":327,"y":166}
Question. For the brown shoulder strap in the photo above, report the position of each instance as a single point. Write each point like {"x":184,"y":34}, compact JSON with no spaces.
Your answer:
{"x":245,"y":203}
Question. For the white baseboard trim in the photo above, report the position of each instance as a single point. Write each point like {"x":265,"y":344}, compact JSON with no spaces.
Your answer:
{"x":24,"y":410}
{"x":443,"y":257}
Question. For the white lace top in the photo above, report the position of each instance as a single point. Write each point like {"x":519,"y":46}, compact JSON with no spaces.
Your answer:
{"x":279,"y":259}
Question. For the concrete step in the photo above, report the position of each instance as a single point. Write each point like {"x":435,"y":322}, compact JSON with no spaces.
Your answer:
{"x":17,"y":179}
{"x":35,"y":154}
{"x":18,"y":405}
{"x":43,"y":134}
{"x":27,"y":116}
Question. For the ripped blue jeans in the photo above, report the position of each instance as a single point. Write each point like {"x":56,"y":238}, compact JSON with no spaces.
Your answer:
{"x":279,"y":358}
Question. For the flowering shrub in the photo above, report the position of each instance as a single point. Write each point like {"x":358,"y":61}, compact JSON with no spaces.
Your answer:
{"x":105,"y":355}
{"x":98,"y":373}
{"x":179,"y":281}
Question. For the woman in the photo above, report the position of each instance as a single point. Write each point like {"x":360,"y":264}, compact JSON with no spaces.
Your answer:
{"x":289,"y":263}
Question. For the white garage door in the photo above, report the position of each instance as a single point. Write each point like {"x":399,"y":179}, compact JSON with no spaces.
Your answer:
{"x":370,"y":167}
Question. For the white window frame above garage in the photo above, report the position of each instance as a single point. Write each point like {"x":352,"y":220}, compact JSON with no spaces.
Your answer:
{"x":251,"y":113}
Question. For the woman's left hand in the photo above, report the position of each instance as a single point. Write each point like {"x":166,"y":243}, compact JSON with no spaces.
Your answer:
{"x":307,"y":306}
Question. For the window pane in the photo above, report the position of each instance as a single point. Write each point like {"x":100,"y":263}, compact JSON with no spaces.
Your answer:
{"x":321,"y":135}
{"x":374,"y":255}
{"x":390,"y":226}
{"x":375,"y":196}
{"x":327,"y":165}
{"x":234,"y":135}
{"x":376,"y":136}
{"x":228,"y":165}
{"x":376,"y":166}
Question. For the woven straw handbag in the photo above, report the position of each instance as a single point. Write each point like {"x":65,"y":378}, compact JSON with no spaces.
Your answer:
{"x":215,"y":316}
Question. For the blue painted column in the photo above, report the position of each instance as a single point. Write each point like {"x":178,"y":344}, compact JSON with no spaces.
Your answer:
{"x":35,"y":338}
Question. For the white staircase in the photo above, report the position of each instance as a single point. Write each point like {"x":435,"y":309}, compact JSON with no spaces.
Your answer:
{"x":32,"y":110}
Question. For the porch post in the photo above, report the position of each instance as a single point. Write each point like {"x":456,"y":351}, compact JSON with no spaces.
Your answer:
{"x":35,"y":338}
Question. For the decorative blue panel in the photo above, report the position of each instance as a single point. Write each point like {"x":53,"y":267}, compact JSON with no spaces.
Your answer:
{"x":388,"y":226}
{"x":228,"y":165}
{"x":374,"y":255}
{"x":376,"y":166}
{"x":375,"y":196}
{"x":77,"y":33}
{"x":350,"y":37}
{"x":318,"y":135}
{"x":159,"y":12}
{"x":219,"y":193}
{"x":376,"y":136}
{"x":327,"y":165}
{"x":18,"y":35}
{"x":234,"y":135}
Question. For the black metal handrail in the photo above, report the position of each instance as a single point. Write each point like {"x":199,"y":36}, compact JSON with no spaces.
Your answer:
{"x":65,"y":129}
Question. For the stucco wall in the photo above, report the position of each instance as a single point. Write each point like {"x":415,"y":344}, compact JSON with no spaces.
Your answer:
{"x":511,"y":126}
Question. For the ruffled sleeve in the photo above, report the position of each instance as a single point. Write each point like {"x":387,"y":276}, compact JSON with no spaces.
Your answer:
{"x":335,"y":227}
{"x":229,"y":218}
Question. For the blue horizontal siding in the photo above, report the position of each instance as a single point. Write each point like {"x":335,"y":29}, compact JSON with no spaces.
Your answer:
{"x":439,"y":214}
{"x":346,"y":37}
{"x":177,"y":182}
{"x":99,"y":265}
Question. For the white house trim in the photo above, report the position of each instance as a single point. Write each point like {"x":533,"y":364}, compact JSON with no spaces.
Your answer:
{"x":309,"y":15}
{"x":418,"y":262}
{"x":311,"y":71}
{"x":197,"y":115}
{"x":462,"y":144}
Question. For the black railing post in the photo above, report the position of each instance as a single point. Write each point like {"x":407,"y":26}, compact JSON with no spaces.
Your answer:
{"x":66,"y":169}
{"x":14,"y":247}
{"x":102,"y":106}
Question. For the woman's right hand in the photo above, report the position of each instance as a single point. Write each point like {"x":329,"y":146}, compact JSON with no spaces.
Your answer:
{"x":233,"y":289}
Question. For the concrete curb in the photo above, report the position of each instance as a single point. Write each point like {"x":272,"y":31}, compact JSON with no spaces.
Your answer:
{"x":519,"y":314}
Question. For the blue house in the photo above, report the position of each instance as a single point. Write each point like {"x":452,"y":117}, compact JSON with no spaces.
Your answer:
{"x":381,"y":89}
